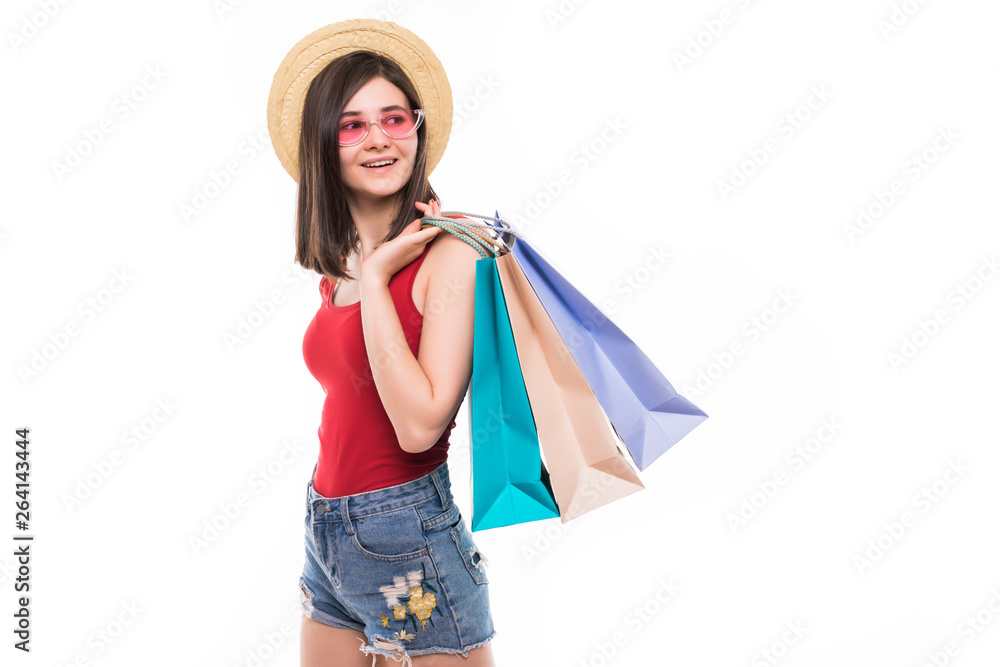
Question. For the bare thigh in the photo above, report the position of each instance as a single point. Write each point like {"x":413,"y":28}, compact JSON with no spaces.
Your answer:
{"x":323,"y":645}
{"x":478,"y":657}
{"x":326,"y":646}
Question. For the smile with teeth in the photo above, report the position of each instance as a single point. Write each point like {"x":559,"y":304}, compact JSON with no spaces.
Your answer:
{"x":380,"y":163}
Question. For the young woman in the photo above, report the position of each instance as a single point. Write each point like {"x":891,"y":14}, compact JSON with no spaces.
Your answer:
{"x":390,"y":562}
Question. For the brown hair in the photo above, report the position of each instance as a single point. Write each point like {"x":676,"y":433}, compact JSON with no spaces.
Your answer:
{"x":324,"y":229}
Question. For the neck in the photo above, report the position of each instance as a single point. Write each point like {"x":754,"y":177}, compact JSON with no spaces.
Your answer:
{"x":372,"y":218}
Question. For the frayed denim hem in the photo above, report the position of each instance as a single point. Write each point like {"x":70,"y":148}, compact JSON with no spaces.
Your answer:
{"x":395,"y":649}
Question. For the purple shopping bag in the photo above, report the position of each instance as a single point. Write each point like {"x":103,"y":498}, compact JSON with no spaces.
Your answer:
{"x":644,"y":408}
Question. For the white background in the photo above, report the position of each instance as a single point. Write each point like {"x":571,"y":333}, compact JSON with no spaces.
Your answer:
{"x":844,"y":547}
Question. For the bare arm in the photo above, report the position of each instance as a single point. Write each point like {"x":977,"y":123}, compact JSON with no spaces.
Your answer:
{"x":420,"y":394}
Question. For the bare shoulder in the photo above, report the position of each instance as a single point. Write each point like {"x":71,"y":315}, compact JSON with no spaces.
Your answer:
{"x":448,"y":248}
{"x":453,"y":263}
{"x":450,"y":267}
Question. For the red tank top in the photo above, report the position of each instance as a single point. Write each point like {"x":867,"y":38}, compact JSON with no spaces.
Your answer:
{"x":359,"y":450}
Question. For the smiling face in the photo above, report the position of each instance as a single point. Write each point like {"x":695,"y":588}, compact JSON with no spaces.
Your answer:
{"x":376,"y":183}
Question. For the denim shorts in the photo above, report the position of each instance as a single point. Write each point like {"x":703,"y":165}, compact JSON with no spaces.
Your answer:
{"x":399,"y":565}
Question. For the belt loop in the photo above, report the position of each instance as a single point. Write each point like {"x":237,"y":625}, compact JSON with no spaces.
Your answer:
{"x":436,"y":477}
{"x":309,"y":488}
{"x":345,"y":516}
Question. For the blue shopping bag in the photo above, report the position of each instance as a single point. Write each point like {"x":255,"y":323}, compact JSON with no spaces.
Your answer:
{"x":644,"y":408}
{"x":509,"y":481}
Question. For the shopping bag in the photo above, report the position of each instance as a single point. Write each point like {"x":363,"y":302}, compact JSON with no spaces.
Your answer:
{"x":645,"y":409}
{"x":579,"y":445}
{"x":509,"y":481}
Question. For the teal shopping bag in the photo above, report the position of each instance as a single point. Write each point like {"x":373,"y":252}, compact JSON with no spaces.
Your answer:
{"x":509,"y":481}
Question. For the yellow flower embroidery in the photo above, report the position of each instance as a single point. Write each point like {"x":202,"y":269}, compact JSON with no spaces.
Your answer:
{"x":385,"y":621}
{"x":422,"y":605}
{"x":418,"y":603}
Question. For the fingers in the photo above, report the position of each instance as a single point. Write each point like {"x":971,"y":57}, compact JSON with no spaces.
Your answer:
{"x":429,"y":232}
{"x":433,"y":207}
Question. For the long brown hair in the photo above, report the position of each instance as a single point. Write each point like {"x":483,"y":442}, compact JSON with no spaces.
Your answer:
{"x":324,"y":229}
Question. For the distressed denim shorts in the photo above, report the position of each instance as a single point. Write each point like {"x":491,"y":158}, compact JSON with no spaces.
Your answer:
{"x":399,"y":565}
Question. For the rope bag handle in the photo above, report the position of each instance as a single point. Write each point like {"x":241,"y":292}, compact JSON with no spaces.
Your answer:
{"x":489,"y":239}
{"x":476,"y":239}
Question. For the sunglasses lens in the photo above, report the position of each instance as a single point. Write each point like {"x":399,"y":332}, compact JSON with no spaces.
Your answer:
{"x":399,"y":124}
{"x":352,"y":130}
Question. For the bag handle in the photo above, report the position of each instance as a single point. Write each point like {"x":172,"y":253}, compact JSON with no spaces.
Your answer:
{"x":475,"y":239}
{"x":480,"y":231}
{"x":496,"y":235}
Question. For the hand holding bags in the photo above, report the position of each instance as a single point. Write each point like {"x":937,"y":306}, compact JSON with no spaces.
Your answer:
{"x":584,"y":385}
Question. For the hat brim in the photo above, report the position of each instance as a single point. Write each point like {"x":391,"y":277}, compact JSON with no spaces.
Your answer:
{"x":315,"y":51}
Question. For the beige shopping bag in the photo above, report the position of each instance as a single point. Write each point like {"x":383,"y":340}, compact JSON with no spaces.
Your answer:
{"x":584,"y":455}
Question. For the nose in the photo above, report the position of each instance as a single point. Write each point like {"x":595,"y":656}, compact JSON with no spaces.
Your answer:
{"x":376,"y":137}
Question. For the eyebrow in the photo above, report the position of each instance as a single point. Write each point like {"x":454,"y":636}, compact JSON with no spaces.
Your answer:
{"x":391,"y":107}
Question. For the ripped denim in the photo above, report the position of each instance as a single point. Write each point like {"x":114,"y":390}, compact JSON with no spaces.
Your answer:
{"x":400,"y":565}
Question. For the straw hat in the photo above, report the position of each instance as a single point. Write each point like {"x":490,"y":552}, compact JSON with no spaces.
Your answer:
{"x":316,"y":50}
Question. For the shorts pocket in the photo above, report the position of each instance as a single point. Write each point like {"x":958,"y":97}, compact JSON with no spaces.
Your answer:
{"x":441,"y":521}
{"x":471,"y":556}
{"x":390,"y":536}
